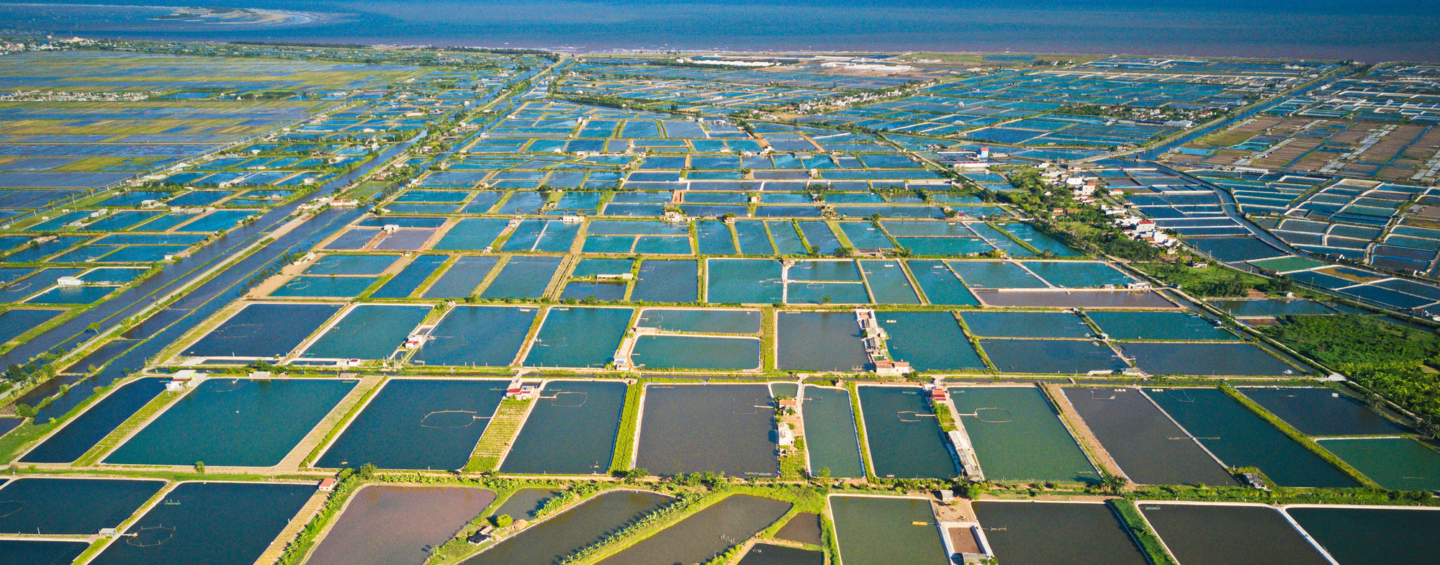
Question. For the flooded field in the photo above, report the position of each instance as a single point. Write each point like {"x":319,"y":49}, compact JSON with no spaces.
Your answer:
{"x":234,"y":422}
{"x":82,"y":433}
{"x":884,"y":531}
{"x":570,"y":431}
{"x":705,"y":534}
{"x":214,"y":523}
{"x":483,"y":336}
{"x":708,"y":428}
{"x":1041,"y":532}
{"x":1372,"y":536}
{"x":1018,"y":436}
{"x":830,"y":432}
{"x":550,"y":541}
{"x":385,"y":524}
{"x":578,"y":337}
{"x":417,"y":424}
{"x":70,"y":506}
{"x":818,"y":341}
{"x":1149,"y":448}
{"x":1242,"y":439}
{"x":903,"y":435}
{"x":1319,"y":411}
{"x":1395,"y":463}
{"x":1242,"y":535}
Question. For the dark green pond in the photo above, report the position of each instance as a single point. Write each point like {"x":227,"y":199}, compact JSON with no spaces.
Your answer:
{"x":704,"y":535}
{"x":211,"y":523}
{"x":17,"y":552}
{"x":716,"y":428}
{"x":903,"y":435}
{"x":1040,"y":532}
{"x":768,"y":554}
{"x":1242,"y":439}
{"x":830,"y":432}
{"x":1018,"y":436}
{"x":1397,"y":463}
{"x":1149,"y":448}
{"x":478,"y":336}
{"x":559,"y":536}
{"x":418,"y":424}
{"x":525,"y":503}
{"x":70,"y":506}
{"x":570,"y":431}
{"x":819,"y":341}
{"x":234,"y":422}
{"x":1371,"y":536}
{"x":929,"y":341}
{"x":1232,"y":535}
{"x":886,"y":531}
{"x":1323,"y":412}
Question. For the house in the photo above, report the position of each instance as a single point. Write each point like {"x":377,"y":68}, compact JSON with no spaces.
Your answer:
{"x":887,"y":368}
{"x":789,"y":403}
{"x":482,"y":535}
{"x":69,"y":281}
{"x":784,"y":437}
{"x":327,"y":484}
{"x":522,"y":392}
{"x":939,"y":394}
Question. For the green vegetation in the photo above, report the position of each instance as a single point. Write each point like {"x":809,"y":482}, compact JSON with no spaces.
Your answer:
{"x":1083,"y":227}
{"x":629,"y":426}
{"x":1140,"y":530}
{"x":1298,"y":437}
{"x":1213,"y":281}
{"x":497,"y":437}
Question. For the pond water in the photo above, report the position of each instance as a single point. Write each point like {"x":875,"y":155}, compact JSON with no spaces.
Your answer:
{"x":234,"y":422}
{"x":525,"y":503}
{"x":940,"y":284}
{"x":754,"y":240}
{"x":1051,"y":356}
{"x":212,"y":523}
{"x":819,"y":341}
{"x":368,"y":331}
{"x":787,"y":240}
{"x":824,"y":271}
{"x":886,"y":531}
{"x":1168,"y":326}
{"x":26,"y":552}
{"x":702,"y":321}
{"x":1206,"y":359}
{"x":1148,"y":447}
{"x":602,"y":291}
{"x":482,"y":336}
{"x":522,"y":278}
{"x":769,"y":554}
{"x":903,"y":435}
{"x":593,"y":267}
{"x":1018,"y":436}
{"x":472,"y":234}
{"x":1077,"y":274}
{"x":578,"y":337}
{"x":103,"y":417}
{"x":1197,"y":533}
{"x":887,"y":281}
{"x":743,"y":281}
{"x":804,"y":527}
{"x":667,"y":282}
{"x":351,"y":265}
{"x":1395,"y":463}
{"x":995,"y":274}
{"x":1271,"y":307}
{"x":550,"y":541}
{"x":323,"y":287}
{"x":398,"y":524}
{"x":252,"y":333}
{"x":417,"y":424}
{"x":409,"y":279}
{"x":571,"y":430}
{"x":1026,"y":324}
{"x":830,"y":432}
{"x":708,"y":428}
{"x":1074,"y":299}
{"x":16,"y":322}
{"x":1040,"y":532}
{"x":696,"y":352}
{"x":929,"y":341}
{"x":1242,"y":439}
{"x":1320,"y":411}
{"x":71,"y":506}
{"x":705,"y":534}
{"x":463,"y":277}
{"x":1372,"y":536}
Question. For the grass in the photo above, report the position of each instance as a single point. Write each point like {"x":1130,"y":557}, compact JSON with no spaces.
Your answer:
{"x":1140,"y":530}
{"x":498,"y":436}
{"x":629,"y":426}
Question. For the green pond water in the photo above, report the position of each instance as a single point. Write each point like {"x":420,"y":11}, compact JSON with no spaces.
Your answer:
{"x":1167,"y":326}
{"x":522,"y":278}
{"x":211,"y":523}
{"x":903,"y":435}
{"x":886,"y":531}
{"x":819,"y":341}
{"x":743,"y":281}
{"x":1372,"y":536}
{"x":887,"y":281}
{"x":768,"y":554}
{"x":369,"y":331}
{"x":1234,"y":535}
{"x":1026,"y":324}
{"x":578,"y":337}
{"x":417,"y":424}
{"x":702,"y":321}
{"x":571,"y":430}
{"x":568,"y":532}
{"x":482,"y":336}
{"x":708,"y":428}
{"x":525,"y":503}
{"x":1242,"y":439}
{"x":1018,"y":436}
{"x":940,"y":284}
{"x":929,"y":341}
{"x":702,"y":536}
{"x":696,"y":352}
{"x":1039,"y":532}
{"x":830,"y":432}
{"x":463,"y":277}
{"x":234,"y":422}
{"x":1395,"y":463}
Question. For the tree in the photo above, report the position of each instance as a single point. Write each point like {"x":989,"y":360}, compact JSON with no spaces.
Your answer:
{"x":1112,"y":483}
{"x":200,"y":467}
{"x":502,"y":520}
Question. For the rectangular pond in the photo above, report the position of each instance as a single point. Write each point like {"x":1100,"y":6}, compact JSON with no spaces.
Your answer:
{"x":743,"y":281}
{"x":1396,"y":463}
{"x":398,"y":524}
{"x":929,"y":341}
{"x":660,"y":352}
{"x":80,"y":507}
{"x":1066,"y":356}
{"x":1206,"y":533}
{"x":819,"y":341}
{"x":212,"y":523}
{"x":886,"y":531}
{"x":1372,"y":536}
{"x":1027,"y":324}
{"x":1018,"y":435}
{"x":1320,"y":411}
{"x":367,"y":331}
{"x":708,"y":428}
{"x":234,"y":422}
{"x":462,"y":278}
{"x":694,"y":320}
{"x":830,"y":436}
{"x":1242,"y":439}
{"x":578,"y":337}
{"x":940,"y":284}
{"x":86,"y":430}
{"x":675,"y":282}
{"x":888,"y":283}
{"x":1055,"y":532}
{"x":409,"y":279}
{"x":484,"y":336}
{"x":417,"y":424}
{"x":1210,"y":359}
{"x":570,"y":431}
{"x":704,"y":534}
{"x":904,"y":438}
{"x":1166,"y":326}
{"x":251,"y":332}
{"x":1149,"y":448}
{"x":522,"y":278}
